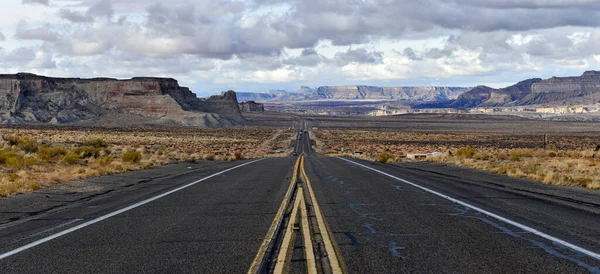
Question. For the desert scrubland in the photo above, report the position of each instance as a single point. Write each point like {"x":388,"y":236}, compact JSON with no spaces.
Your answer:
{"x":33,"y":157}
{"x":510,"y":147}
{"x":567,"y":160}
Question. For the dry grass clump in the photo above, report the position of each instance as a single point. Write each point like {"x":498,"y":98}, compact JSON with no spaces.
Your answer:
{"x":569,"y":160}
{"x":384,"y":157}
{"x":32,"y":158}
{"x":466,"y":152}
{"x":132,"y":156}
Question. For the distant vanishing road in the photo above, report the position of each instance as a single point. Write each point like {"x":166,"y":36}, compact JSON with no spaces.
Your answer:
{"x":258,"y":216}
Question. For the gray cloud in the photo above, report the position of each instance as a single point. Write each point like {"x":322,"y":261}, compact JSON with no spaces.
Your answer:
{"x":227,"y":35}
{"x":41,"y":2}
{"x":361,"y":56}
{"x":16,"y":57}
{"x":26,"y":58}
{"x":2,"y":38}
{"x":255,"y":63}
{"x":410,"y":53}
{"x":224,"y":29}
{"x":98,"y":10}
{"x":102,"y":8}
{"x":308,"y":58}
{"x":42,"y":33}
{"x":520,"y":4}
{"x":74,"y":16}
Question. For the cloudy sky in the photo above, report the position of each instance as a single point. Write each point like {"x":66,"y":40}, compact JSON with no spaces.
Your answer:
{"x":212,"y":45}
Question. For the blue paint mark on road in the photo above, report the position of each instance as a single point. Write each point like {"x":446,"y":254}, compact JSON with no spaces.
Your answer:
{"x":370,"y":215}
{"x":373,"y":232}
{"x":394,"y":250}
{"x":370,"y":228}
{"x":535,"y":243}
{"x":362,"y":214}
{"x":462,"y":212}
{"x":353,"y":240}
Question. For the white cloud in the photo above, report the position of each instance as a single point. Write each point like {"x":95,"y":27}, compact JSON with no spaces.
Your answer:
{"x":42,"y":60}
{"x":264,"y":43}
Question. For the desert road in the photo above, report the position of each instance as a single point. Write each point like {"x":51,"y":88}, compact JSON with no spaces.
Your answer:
{"x":314,"y":214}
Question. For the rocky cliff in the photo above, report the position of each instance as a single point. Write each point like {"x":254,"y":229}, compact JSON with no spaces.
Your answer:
{"x":584,"y":89}
{"x":251,"y":106}
{"x":483,"y":96}
{"x":358,"y":93}
{"x":556,"y":91}
{"x":26,"y":98}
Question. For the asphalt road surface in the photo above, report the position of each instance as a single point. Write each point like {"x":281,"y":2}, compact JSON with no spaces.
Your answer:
{"x":384,"y":218}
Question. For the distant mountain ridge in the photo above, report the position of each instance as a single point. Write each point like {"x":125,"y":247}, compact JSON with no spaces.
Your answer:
{"x":484,"y":96}
{"x":357,"y":92}
{"x":584,"y":89}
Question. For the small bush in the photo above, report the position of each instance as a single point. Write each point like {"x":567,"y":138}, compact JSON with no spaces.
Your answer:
{"x":466,"y":152}
{"x":13,"y":177}
{"x":12,"y":140}
{"x":70,"y":159}
{"x":515,"y":156}
{"x":6,"y":154}
{"x":583,"y":181}
{"x":28,"y":145}
{"x":160,"y":152}
{"x":237,"y":156}
{"x":45,"y":153}
{"x":34,"y":185}
{"x":97,"y":143}
{"x":29,"y":161}
{"x":210,"y":157}
{"x":131,"y":156}
{"x":383,"y":157}
{"x":24,"y":143}
{"x":15,"y":163}
{"x":87,"y":152}
{"x":105,"y":160}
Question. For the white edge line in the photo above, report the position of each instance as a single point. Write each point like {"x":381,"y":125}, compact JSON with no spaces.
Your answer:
{"x":521,"y":226}
{"x":104,"y":217}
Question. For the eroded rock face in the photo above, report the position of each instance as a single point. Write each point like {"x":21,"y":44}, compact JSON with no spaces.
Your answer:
{"x":556,"y":91}
{"x":251,"y":106}
{"x":483,"y":96}
{"x":32,"y":98}
{"x":589,"y":81}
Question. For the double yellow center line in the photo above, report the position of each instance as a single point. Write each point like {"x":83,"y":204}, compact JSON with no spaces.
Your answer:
{"x":330,"y":262}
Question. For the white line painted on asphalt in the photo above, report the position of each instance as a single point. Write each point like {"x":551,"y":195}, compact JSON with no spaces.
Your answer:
{"x":104,"y":217}
{"x":521,"y":226}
